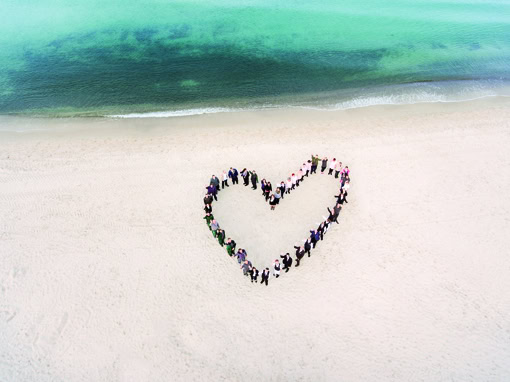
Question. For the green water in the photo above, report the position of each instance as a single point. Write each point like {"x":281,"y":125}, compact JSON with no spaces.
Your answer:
{"x":117,"y":57}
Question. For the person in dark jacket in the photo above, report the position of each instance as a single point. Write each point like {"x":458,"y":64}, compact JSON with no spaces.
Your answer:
{"x":215,"y":181}
{"x":320,"y":230}
{"x":300,"y":253}
{"x":208,"y":199}
{"x":340,"y":197}
{"x":263,"y":186}
{"x":267,"y":190}
{"x":265,"y":276}
{"x":254,"y":179}
{"x":254,"y":273}
{"x":234,"y":175}
{"x":208,"y":208}
{"x":246,"y":176}
{"x":324,"y":164}
{"x":308,"y":246}
{"x":273,"y":202}
{"x":314,"y":237}
{"x":287,"y":262}
{"x":282,"y":188}
{"x":333,"y":215}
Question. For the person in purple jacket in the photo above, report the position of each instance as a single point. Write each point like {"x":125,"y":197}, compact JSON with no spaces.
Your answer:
{"x":212,"y":190}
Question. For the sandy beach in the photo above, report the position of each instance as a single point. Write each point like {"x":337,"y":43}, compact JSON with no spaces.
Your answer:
{"x":109,"y":272}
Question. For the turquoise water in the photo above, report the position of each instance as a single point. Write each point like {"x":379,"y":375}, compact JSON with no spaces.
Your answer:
{"x":115,"y":57}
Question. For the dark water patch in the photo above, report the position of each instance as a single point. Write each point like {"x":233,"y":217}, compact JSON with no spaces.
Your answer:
{"x":145,"y":34}
{"x":179,"y":31}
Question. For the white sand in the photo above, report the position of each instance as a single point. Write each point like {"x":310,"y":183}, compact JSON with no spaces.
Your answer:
{"x":109,"y":273}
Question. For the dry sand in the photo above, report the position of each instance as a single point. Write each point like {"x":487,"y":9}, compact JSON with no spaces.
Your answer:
{"x":109,"y":273}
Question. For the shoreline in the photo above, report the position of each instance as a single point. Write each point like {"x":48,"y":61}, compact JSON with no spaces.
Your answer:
{"x":405,"y":94}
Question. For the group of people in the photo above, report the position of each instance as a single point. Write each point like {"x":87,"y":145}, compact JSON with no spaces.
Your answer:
{"x":273,"y":197}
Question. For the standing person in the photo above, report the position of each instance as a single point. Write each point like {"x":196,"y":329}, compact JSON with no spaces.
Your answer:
{"x":346,"y":171}
{"x":333,"y":216}
{"x":287,"y":262}
{"x":267,"y":190}
{"x":208,"y":208}
{"x":345,"y":188}
{"x":332,"y":165}
{"x":277,"y":195}
{"x":324,"y":164}
{"x":224,"y":181}
{"x":340,"y":197}
{"x":221,"y":236}
{"x":214,"y":227}
{"x":231,"y":246}
{"x":300,"y":177}
{"x":288,"y":185}
{"x":208,"y":199}
{"x":208,"y":219}
{"x":300,"y":252}
{"x":314,"y":237}
{"x":215,"y":181}
{"x":212,"y":190}
{"x":282,"y":188}
{"x":254,"y":273}
{"x":265,"y":276}
{"x":337,"y":209}
{"x":308,"y":167}
{"x":246,"y":267}
{"x":320,"y":230}
{"x":338,"y":168}
{"x":254,"y":179}
{"x":263,"y":185}
{"x":315,"y":163}
{"x":276,"y":268}
{"x":234,"y":175}
{"x":241,"y":255}
{"x":246,"y":176}
{"x":308,"y":246}
{"x":294,"y":181}
{"x":273,"y":202}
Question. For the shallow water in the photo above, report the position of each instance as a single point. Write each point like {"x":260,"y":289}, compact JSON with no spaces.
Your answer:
{"x":120,"y":57}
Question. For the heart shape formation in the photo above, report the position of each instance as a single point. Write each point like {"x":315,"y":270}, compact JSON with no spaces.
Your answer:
{"x":274,"y":197}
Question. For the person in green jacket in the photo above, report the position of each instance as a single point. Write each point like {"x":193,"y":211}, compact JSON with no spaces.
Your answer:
{"x":231,"y":246}
{"x":208,"y":219}
{"x":315,"y":164}
{"x":221,"y":236}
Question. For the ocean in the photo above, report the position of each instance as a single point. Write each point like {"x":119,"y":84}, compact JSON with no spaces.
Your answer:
{"x":127,"y":58}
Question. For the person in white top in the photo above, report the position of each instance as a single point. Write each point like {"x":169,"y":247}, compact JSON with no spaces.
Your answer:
{"x":345,"y":188}
{"x":276,"y":268}
{"x":294,"y":181}
{"x":288,"y":185}
{"x":224,"y":180}
{"x":308,"y":167}
{"x":299,"y":177}
{"x":332,"y":166}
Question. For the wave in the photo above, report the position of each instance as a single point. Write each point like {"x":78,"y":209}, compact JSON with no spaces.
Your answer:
{"x":403,"y":94}
{"x":177,"y":113}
